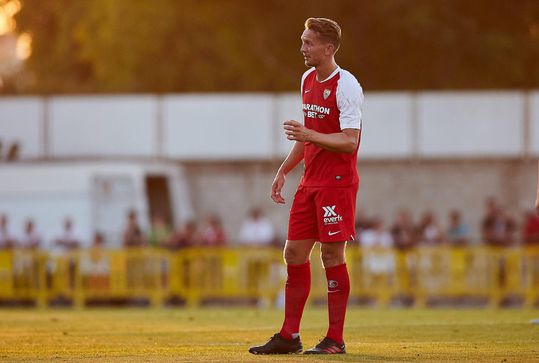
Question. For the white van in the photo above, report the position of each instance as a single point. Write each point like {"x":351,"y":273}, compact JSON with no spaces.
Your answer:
{"x":96,"y":194}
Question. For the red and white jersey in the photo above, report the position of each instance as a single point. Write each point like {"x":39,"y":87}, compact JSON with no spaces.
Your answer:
{"x":330,"y":106}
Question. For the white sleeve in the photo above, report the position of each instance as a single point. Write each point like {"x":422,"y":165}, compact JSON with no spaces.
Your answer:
{"x":349,"y":101}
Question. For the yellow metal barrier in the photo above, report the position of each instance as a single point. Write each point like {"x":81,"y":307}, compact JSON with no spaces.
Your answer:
{"x":198,"y":275}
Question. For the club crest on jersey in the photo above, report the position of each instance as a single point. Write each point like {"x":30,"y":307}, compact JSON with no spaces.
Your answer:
{"x":327,"y":92}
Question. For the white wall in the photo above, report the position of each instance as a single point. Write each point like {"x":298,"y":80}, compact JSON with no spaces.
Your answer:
{"x":396,"y":125}
{"x":21,"y":120}
{"x":470,"y":124}
{"x":218,"y":127}
{"x":533,"y":110}
{"x":387,"y":126}
{"x":103,"y":126}
{"x":287,"y":107}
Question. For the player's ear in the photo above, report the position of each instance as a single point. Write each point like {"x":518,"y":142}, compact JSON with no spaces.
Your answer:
{"x":330,"y":49}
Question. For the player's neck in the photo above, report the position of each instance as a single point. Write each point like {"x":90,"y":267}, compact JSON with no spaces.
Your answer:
{"x":323,"y":71}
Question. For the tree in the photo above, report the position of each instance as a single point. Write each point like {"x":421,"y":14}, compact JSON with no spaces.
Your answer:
{"x":245,"y":45}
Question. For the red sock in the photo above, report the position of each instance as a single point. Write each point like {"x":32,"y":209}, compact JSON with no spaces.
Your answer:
{"x":338,"y":291}
{"x":298,"y":286}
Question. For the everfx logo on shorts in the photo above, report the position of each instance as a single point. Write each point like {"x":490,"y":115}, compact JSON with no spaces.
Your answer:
{"x":330,"y":216}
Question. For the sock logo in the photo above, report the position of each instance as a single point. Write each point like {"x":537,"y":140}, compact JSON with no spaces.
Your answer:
{"x":332,"y":284}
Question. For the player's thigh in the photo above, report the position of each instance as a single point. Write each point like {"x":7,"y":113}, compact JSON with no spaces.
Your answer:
{"x":302,"y":224}
{"x":297,"y":252}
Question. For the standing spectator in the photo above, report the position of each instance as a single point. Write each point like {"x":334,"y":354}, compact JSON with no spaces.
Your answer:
{"x":403,"y":231}
{"x":213,"y":233}
{"x":429,"y":231}
{"x":530,"y":230}
{"x":7,"y":240}
{"x":133,"y":235}
{"x":30,"y":238}
{"x":256,"y":229}
{"x":497,"y":228}
{"x":160,"y":231}
{"x":491,"y":208}
{"x":188,"y":236}
{"x":67,"y":240}
{"x":458,"y":233}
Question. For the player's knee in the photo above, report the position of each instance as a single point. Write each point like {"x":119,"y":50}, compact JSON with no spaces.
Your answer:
{"x":332,"y":257}
{"x":294,"y":256}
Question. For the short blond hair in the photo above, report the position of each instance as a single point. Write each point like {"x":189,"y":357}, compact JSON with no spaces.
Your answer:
{"x":328,"y":30}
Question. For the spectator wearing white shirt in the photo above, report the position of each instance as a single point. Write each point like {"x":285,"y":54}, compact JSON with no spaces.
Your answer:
{"x":67,"y":239}
{"x":256,"y":230}
{"x":30,"y":239}
{"x":376,"y":243}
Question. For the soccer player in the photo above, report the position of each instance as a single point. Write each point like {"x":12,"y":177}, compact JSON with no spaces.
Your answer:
{"x":323,"y":209}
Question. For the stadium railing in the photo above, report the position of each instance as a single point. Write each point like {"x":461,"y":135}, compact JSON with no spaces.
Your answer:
{"x":196,"y":276}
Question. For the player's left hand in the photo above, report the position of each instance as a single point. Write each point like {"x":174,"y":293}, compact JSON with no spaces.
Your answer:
{"x":296,"y":131}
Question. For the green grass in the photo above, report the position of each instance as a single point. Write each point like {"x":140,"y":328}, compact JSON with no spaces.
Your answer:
{"x":224,"y":334}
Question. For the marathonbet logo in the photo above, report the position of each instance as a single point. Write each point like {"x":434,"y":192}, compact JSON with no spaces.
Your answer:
{"x":330,"y":216}
{"x":314,"y":111}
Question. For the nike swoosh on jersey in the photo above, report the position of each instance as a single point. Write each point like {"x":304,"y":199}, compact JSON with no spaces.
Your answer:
{"x":307,"y":90}
{"x":333,"y":233}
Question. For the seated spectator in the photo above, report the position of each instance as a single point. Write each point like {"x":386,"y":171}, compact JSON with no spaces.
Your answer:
{"x":67,"y":240}
{"x":187,"y":236}
{"x":256,"y":230}
{"x":30,"y":239}
{"x":530,"y":229}
{"x":458,"y":233}
{"x":213,"y":233}
{"x":160,"y":231}
{"x":403,"y":231}
{"x":133,"y":235}
{"x":497,"y":227}
{"x":7,"y":240}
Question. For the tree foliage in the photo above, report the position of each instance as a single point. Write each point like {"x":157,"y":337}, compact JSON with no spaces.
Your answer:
{"x":247,"y":45}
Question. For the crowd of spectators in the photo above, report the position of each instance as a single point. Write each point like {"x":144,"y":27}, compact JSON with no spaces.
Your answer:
{"x":497,"y":228}
{"x":161,"y":234}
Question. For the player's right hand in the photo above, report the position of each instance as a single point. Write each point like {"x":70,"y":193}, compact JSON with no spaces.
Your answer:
{"x":537,"y":205}
{"x":276,"y":188}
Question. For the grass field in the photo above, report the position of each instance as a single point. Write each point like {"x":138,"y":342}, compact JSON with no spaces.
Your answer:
{"x":224,"y":334}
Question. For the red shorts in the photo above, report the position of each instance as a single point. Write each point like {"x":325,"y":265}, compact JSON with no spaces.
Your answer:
{"x":323,"y":213}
